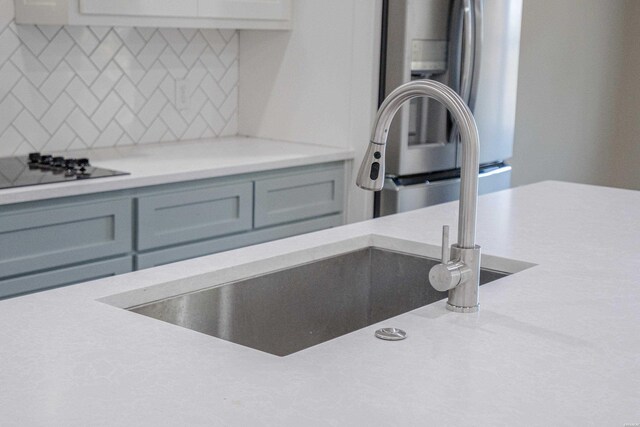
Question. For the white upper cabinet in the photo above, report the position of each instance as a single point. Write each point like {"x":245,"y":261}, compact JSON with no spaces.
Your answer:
{"x":240,"y":14}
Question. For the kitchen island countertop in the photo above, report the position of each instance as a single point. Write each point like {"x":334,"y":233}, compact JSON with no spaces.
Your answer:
{"x":557,"y":343}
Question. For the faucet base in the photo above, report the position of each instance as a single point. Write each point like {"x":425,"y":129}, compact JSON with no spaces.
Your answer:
{"x":457,"y":309}
{"x":464,"y":297}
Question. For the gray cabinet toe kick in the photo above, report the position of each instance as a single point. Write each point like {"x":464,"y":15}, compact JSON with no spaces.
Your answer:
{"x":58,"y":242}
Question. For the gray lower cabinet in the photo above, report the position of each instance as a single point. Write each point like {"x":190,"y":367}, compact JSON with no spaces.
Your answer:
{"x":65,"y":276}
{"x":53,"y":243}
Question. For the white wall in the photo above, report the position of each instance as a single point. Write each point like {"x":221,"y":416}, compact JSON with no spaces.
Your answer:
{"x":570,"y":70}
{"x":578,"y":112}
{"x":627,"y":153}
{"x":317,"y":83}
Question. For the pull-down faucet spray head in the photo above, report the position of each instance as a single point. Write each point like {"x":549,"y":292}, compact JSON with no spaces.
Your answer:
{"x":371,"y":173}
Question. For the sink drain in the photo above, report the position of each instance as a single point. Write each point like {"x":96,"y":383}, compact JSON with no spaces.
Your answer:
{"x":391,"y":334}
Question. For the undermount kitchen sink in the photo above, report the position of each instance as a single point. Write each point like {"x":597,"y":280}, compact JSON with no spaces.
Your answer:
{"x":295,"y":308}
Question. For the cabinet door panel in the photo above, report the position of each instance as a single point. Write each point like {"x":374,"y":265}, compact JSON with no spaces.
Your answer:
{"x":168,"y":8}
{"x":42,"y":238}
{"x":245,"y":9}
{"x":65,"y":276}
{"x":184,"y":216}
{"x":298,"y":196}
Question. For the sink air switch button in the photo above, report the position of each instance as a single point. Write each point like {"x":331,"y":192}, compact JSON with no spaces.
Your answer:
{"x":391,"y":334}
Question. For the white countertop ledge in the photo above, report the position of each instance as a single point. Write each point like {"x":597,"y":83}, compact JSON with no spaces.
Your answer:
{"x":557,"y":343}
{"x":168,"y":162}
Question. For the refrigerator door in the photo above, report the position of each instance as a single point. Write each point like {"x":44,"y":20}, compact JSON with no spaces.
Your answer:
{"x":495,"y":77}
{"x":395,"y":198}
{"x":417,"y":47}
{"x":470,"y":45}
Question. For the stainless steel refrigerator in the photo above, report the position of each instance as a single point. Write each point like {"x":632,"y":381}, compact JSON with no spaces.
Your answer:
{"x":472,"y":46}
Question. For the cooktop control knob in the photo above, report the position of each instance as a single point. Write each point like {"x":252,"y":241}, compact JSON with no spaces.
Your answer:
{"x":58,"y":162}
{"x":82,"y":162}
{"x":34,"y":157}
{"x":46,"y":160}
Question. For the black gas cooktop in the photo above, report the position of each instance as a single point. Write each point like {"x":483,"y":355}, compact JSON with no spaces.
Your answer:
{"x":36,"y":169}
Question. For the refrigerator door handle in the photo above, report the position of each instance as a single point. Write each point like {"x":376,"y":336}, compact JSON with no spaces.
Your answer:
{"x":468,"y":42}
{"x":477,"y":8}
{"x":471,"y":11}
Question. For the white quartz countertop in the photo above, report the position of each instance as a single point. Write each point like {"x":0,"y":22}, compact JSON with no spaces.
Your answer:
{"x":162,"y":163}
{"x":555,"y":344}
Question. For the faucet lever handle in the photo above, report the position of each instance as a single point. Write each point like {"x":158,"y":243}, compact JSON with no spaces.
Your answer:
{"x":446,"y":251}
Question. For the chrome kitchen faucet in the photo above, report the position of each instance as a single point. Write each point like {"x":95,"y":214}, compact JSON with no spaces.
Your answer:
{"x":460,"y":275}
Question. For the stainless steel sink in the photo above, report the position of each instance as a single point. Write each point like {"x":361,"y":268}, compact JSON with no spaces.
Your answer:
{"x":292,"y":309}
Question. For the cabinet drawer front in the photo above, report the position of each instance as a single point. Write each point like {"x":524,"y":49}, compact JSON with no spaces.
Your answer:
{"x":192,"y":250}
{"x":170,"y":8}
{"x":246,"y":9}
{"x":42,"y":238}
{"x":298,"y":196}
{"x":186,"y":216}
{"x":65,"y":276}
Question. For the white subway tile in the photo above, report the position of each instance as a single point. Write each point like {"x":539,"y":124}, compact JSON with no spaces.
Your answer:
{"x":57,"y":113}
{"x":82,"y":65}
{"x":57,"y":81}
{"x":173,"y":64}
{"x":82,"y":95}
{"x":107,"y":79}
{"x":174,"y":120}
{"x":152,"y":108}
{"x":10,"y":140}
{"x":30,"y":66}
{"x":84,"y":38}
{"x":106,"y":50}
{"x":10,"y":107}
{"x":154,"y":132}
{"x":230,"y":79}
{"x":9,"y":42}
{"x":31,"y":130}
{"x":151,"y":81}
{"x":33,"y":38}
{"x":61,"y":139}
{"x":230,"y":105}
{"x":83,"y":127}
{"x":214,"y":39}
{"x":49,"y":31}
{"x":129,"y":64}
{"x":130,"y":123}
{"x":212,"y":117}
{"x":110,"y":136}
{"x":130,"y":94}
{"x":195,"y":129}
{"x":56,"y":50}
{"x":131,"y":38}
{"x":107,"y":111}
{"x":230,"y":52}
{"x":9,"y":76}
{"x":174,"y":38}
{"x":193,"y":50}
{"x":151,"y":52}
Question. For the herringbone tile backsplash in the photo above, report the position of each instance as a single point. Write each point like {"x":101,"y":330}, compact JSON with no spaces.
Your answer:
{"x":64,"y":88}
